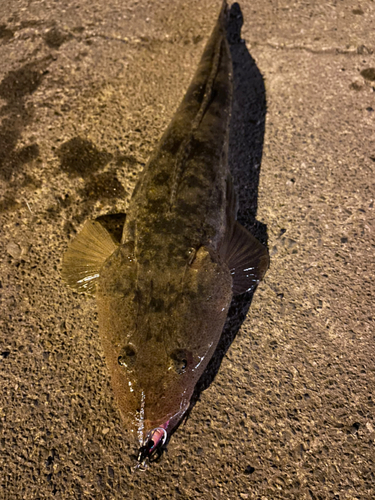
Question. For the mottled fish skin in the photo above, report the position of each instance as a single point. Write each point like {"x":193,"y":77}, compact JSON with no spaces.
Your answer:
{"x":163,"y":294}
{"x":180,"y":200}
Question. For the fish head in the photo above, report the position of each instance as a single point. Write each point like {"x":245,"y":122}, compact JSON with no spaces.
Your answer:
{"x":159,"y":331}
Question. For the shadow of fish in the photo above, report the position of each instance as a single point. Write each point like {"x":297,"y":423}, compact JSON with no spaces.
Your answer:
{"x":163,"y":293}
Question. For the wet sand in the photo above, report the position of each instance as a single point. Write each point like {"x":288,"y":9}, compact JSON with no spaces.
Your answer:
{"x":86,"y":90}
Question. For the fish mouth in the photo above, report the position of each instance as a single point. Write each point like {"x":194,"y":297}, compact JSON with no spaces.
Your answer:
{"x":143,"y":419}
{"x":168,"y":422}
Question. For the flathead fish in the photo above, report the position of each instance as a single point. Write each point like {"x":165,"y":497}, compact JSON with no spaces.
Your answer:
{"x":164,"y":291}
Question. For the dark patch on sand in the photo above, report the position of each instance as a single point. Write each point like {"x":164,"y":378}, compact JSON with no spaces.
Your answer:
{"x":5,"y":33}
{"x":104,"y":185}
{"x":80,"y":157}
{"x":14,"y":88}
{"x":368,"y":74}
{"x":54,"y":38}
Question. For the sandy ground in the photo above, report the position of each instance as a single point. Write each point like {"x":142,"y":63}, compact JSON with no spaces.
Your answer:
{"x":86,"y":90}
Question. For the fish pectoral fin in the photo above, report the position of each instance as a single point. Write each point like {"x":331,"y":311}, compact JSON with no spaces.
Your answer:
{"x":246,"y":258}
{"x":85,"y":257}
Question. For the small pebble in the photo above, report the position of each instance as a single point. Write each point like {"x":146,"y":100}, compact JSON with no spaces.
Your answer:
{"x":14,"y":250}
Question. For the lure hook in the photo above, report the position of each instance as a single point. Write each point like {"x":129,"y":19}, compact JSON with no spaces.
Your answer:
{"x":152,"y":448}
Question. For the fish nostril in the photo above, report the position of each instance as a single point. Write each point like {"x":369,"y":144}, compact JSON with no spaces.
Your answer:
{"x":127,"y":356}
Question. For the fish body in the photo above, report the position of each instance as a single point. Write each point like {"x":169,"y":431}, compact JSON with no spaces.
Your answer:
{"x":164,"y":291}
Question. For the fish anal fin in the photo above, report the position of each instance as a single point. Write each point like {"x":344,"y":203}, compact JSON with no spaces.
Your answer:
{"x":85,"y":257}
{"x":246,"y":258}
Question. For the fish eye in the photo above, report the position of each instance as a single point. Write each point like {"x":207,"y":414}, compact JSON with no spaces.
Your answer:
{"x":179,"y":360}
{"x":127,"y":356}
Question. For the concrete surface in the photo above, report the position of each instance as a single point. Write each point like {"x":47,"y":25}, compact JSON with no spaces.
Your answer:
{"x":86,"y":89}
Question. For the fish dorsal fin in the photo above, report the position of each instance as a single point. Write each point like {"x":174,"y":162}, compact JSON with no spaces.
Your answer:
{"x":246,"y":258}
{"x":85,"y":257}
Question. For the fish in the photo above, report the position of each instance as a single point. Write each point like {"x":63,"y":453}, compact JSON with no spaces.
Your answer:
{"x":163,"y":291}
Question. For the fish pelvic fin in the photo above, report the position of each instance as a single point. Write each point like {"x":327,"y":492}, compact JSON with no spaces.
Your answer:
{"x":85,"y":257}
